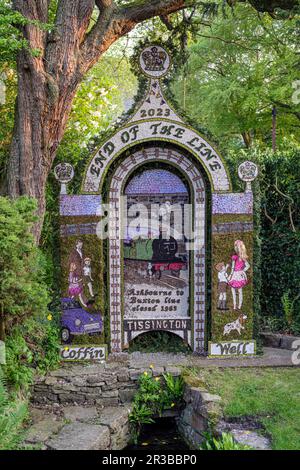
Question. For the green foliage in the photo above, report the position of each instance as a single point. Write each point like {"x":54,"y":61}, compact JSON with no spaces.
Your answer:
{"x":11,"y":38}
{"x":140,"y":414}
{"x":23,"y":292}
{"x":225,"y":442}
{"x":239,"y":66}
{"x":174,"y":387}
{"x":32,"y":335}
{"x":13,"y":412}
{"x":261,"y":394}
{"x":31,"y":347}
{"x":152,"y":398}
{"x":101,"y":98}
{"x":159,"y":341}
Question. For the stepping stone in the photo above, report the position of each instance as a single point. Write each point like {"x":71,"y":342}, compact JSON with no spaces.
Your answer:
{"x":114,"y":417}
{"x":251,"y":439}
{"x":81,"y":436}
{"x":79,"y":413}
{"x":43,"y":429}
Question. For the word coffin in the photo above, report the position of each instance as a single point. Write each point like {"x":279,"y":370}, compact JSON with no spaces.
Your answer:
{"x":83,"y":353}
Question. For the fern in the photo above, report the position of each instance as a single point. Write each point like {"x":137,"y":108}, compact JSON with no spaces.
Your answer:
{"x":12,"y":415}
{"x":288,"y":307}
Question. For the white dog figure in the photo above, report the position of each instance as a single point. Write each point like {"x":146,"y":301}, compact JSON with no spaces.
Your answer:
{"x":237,"y":325}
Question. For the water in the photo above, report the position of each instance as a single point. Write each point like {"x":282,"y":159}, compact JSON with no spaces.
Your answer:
{"x":162,"y":434}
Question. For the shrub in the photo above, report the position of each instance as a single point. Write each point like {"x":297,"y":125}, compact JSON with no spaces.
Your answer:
{"x":12,"y":415}
{"x":23,"y":292}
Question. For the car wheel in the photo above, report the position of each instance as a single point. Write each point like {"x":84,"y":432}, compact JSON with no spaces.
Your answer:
{"x":65,"y":335}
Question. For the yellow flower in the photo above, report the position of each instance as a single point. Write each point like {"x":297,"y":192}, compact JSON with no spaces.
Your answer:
{"x":157,"y":379}
{"x":172,"y":404}
{"x":66,"y":348}
{"x":145,"y":373}
{"x":151,"y":366}
{"x":49,"y":317}
{"x":145,"y":443}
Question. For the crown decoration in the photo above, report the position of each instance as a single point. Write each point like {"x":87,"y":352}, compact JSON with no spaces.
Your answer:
{"x":248,"y":171}
{"x":64,"y":172}
{"x":154,"y":59}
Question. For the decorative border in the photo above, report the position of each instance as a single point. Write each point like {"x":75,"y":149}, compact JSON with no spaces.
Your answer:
{"x":193,"y":175}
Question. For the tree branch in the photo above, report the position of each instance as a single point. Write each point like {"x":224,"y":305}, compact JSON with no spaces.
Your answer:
{"x":146,"y":10}
{"x":114,"y":22}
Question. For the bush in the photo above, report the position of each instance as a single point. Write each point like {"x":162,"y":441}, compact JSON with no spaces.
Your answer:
{"x":23,"y":292}
{"x":12,"y":414}
{"x":31,"y":347}
{"x":31,"y":338}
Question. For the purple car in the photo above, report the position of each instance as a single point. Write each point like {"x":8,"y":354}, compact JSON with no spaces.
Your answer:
{"x":75,"y":320}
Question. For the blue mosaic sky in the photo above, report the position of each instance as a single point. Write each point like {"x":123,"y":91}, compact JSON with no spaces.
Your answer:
{"x":156,"y":182}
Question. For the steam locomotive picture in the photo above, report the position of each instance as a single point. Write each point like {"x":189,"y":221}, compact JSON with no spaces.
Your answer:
{"x":156,"y":256}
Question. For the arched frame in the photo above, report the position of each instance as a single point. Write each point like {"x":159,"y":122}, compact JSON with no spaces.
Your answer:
{"x":192,"y":174}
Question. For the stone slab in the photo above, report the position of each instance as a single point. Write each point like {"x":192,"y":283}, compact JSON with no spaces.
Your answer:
{"x":43,"y":429}
{"x":81,"y":436}
{"x":114,"y":417}
{"x":251,"y":439}
{"x":80,"y":413}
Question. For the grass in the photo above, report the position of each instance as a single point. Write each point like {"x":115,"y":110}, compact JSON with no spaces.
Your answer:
{"x":272,"y":396}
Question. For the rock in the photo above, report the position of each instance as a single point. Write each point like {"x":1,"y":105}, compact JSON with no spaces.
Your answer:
{"x":114,"y":417}
{"x":287,"y":341}
{"x":123,"y":376}
{"x":271,"y":340}
{"x":81,"y":436}
{"x":194,"y":420}
{"x":51,"y":380}
{"x":127,"y":394}
{"x":207,"y":397}
{"x":157,"y":371}
{"x":110,"y":394}
{"x":107,"y":401}
{"x":43,"y":429}
{"x":251,"y":439}
{"x":121,"y":358}
{"x":135,"y":373}
{"x":175,"y":371}
{"x":79,"y":413}
{"x":37,"y":415}
{"x":120,"y":439}
{"x":71,"y":398}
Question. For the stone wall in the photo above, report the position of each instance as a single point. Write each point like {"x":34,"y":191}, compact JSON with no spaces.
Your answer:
{"x":109,"y":384}
{"x":201,"y":413}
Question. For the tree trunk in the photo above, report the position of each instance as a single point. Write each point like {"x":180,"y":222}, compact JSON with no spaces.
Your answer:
{"x":40,"y":120}
{"x":247,"y":139}
{"x":2,"y":328}
{"x":47,"y":83}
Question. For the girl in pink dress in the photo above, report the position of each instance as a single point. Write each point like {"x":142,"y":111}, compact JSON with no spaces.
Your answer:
{"x":75,"y":284}
{"x":238,"y":277}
